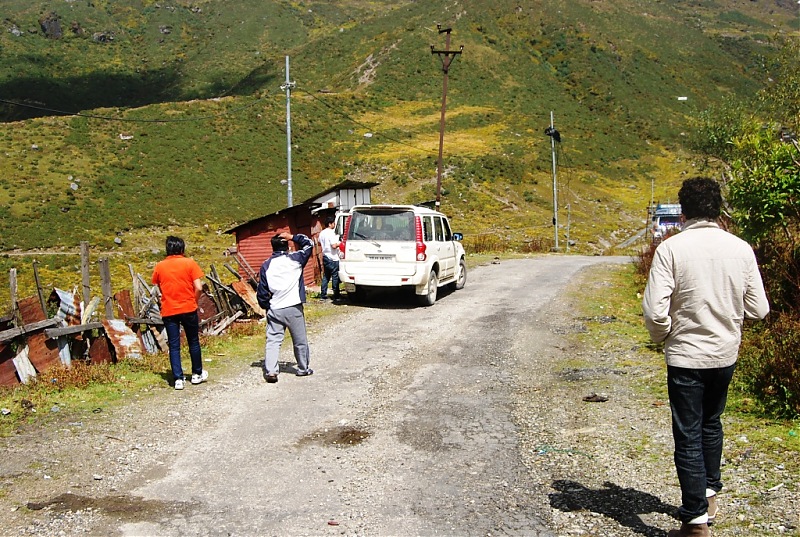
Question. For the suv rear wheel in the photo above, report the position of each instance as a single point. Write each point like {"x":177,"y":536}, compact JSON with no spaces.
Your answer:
{"x":429,"y":298}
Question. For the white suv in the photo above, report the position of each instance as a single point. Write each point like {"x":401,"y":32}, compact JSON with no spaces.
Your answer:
{"x":400,"y":246}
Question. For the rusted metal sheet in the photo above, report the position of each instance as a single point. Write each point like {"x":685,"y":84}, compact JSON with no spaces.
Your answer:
{"x":30,"y":310}
{"x":248,"y":294}
{"x":99,"y":351}
{"x":42,"y":351}
{"x":8,"y":373}
{"x":126,"y":343}
{"x":206,"y":309}
{"x":69,"y":306}
{"x":124,"y":304}
{"x":126,"y":311}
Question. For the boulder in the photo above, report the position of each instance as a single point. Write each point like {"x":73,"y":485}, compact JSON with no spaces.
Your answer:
{"x":51,"y":25}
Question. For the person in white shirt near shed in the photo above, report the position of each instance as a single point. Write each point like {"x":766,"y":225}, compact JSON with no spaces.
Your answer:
{"x":329,"y":241}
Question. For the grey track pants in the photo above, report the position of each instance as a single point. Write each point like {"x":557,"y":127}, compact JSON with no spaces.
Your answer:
{"x":278,"y":321}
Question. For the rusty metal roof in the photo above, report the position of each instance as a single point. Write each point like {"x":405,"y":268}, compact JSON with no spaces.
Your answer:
{"x":341,"y":186}
{"x":124,"y":340}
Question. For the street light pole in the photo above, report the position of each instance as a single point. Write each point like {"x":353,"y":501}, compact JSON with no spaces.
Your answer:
{"x":555,"y":184}
{"x":288,"y":86}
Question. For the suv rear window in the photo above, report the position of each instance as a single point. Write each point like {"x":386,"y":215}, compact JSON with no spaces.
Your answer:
{"x":382,"y":225}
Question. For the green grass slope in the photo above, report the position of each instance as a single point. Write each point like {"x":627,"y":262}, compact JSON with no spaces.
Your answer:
{"x":184,"y":119}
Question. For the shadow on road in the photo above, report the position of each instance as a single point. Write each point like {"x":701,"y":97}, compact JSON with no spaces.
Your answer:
{"x":393,"y":299}
{"x":621,"y":504}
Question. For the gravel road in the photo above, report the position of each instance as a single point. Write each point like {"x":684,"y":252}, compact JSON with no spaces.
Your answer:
{"x":458,"y":419}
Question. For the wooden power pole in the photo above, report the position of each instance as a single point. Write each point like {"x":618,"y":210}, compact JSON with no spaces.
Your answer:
{"x":446,"y":56}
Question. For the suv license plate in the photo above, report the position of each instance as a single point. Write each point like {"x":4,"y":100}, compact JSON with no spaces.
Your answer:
{"x":380,"y":257}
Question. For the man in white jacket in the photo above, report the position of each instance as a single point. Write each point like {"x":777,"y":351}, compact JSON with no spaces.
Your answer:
{"x":282,"y":292}
{"x":703,"y":283}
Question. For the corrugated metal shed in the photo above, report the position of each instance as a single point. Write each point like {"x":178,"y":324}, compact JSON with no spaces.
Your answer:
{"x":253,"y":237}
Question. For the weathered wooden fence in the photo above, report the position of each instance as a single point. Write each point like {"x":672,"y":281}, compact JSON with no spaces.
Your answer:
{"x":108,"y":327}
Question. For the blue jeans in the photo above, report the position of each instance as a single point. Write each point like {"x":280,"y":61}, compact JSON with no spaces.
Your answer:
{"x":191,"y":327}
{"x":697,"y":398}
{"x":330,"y":273}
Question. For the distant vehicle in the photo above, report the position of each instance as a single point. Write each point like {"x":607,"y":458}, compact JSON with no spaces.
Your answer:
{"x":400,"y":246}
{"x":666,"y":219}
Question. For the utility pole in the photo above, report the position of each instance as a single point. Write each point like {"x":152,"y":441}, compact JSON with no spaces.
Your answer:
{"x":288,"y":86}
{"x":554,"y":137}
{"x":446,"y":56}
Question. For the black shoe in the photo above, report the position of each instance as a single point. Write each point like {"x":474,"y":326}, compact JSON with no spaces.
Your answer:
{"x":337,"y":297}
{"x":272,"y":378}
{"x":305,"y":373}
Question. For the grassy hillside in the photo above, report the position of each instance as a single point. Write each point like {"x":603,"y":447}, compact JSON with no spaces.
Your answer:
{"x":184,"y":121}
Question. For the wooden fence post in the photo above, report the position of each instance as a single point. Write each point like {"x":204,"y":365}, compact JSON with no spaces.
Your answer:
{"x":39,"y":286}
{"x":12,"y":283}
{"x":85,"y":273}
{"x":136,"y":296}
{"x":105,"y":281}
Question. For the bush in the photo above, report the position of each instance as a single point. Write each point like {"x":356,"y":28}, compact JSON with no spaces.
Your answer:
{"x":536,"y":245}
{"x":642,"y":262}
{"x":79,"y":375}
{"x":489,"y":242}
{"x":768,"y":368}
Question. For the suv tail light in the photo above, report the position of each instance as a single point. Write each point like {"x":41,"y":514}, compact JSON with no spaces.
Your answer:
{"x":342,"y":241}
{"x":421,"y":256}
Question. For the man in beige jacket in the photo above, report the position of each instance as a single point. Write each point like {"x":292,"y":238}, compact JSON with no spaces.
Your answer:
{"x":703,"y":283}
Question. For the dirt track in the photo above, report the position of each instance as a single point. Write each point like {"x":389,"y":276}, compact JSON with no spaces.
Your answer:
{"x":449,"y":420}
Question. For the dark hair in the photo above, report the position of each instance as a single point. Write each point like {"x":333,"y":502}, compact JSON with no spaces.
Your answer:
{"x":700,"y":197}
{"x":330,"y":220}
{"x":175,"y":245}
{"x":279,"y":244}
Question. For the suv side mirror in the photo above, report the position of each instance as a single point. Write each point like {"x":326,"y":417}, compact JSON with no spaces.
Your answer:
{"x":458,"y":237}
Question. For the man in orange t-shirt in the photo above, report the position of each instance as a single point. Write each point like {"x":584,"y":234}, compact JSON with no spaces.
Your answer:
{"x":178,"y":278}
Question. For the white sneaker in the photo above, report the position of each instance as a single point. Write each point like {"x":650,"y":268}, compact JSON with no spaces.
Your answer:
{"x":197,"y":379}
{"x":179,"y":384}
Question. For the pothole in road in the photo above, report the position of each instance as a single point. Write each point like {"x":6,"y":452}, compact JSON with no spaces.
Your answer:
{"x":128,"y":508}
{"x":336,"y":436}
